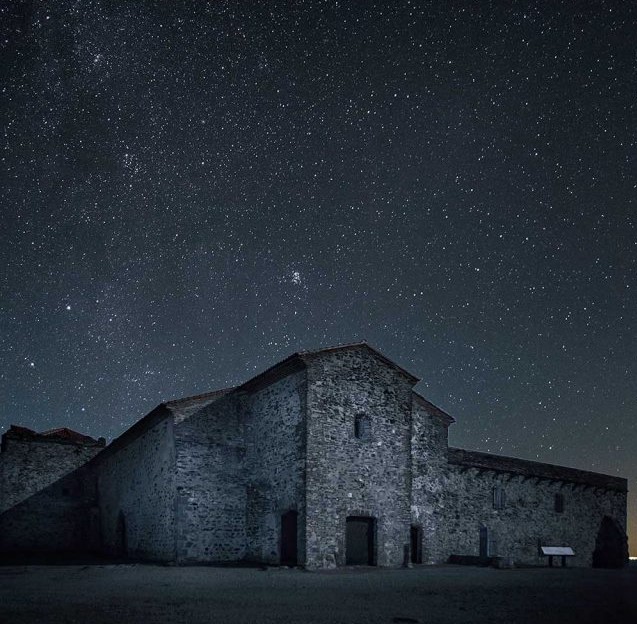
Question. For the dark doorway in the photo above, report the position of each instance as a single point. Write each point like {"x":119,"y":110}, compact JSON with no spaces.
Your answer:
{"x":121,"y":539}
{"x":611,"y":545}
{"x":289,"y":551}
{"x":484,"y":542}
{"x":359,"y":540}
{"x":415,"y":535}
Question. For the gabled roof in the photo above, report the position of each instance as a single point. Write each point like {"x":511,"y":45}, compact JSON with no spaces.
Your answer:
{"x":366,"y":345}
{"x":180,"y":409}
{"x":297,"y":361}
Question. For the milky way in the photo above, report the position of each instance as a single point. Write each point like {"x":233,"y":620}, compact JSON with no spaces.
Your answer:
{"x":194,"y":190}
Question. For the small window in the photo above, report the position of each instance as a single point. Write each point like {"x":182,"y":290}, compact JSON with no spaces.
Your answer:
{"x":499,"y":497}
{"x":559,"y":503}
{"x":362,"y":427}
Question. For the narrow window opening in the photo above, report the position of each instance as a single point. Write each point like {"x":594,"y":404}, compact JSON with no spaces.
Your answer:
{"x":484,"y":542}
{"x":362,"y":427}
{"x":499,"y":497}
{"x":559,"y":503}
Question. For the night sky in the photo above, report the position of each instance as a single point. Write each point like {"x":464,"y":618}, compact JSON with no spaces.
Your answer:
{"x":192,"y":191}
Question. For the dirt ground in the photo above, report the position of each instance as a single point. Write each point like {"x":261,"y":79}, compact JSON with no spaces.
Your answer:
{"x":442,"y":594}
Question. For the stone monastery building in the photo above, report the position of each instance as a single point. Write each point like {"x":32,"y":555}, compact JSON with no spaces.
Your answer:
{"x":328,"y":458}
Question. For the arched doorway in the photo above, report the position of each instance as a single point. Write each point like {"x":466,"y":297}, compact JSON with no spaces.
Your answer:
{"x":611,"y":545}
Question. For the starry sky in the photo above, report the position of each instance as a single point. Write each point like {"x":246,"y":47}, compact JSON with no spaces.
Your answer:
{"x":191,"y":191}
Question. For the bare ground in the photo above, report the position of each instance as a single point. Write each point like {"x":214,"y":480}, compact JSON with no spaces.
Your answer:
{"x":442,"y":594}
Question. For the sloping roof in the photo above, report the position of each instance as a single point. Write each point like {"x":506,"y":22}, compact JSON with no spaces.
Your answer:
{"x":291,"y":364}
{"x":62,"y":434}
{"x":17,"y":430}
{"x":176,"y":409}
{"x":432,"y":409}
{"x":525,"y":467}
{"x":183,"y":408}
{"x":138,"y":428}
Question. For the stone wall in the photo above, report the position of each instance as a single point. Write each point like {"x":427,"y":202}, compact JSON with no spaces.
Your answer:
{"x":61,"y":518}
{"x":210,"y":482}
{"x":349,"y":476}
{"x":429,"y":465}
{"x":528,"y":515}
{"x":275,"y":464}
{"x":47,"y":503}
{"x":136,"y":491}
{"x":28,"y":466}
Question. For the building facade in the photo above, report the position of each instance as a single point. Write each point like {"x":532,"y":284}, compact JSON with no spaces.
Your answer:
{"x":328,"y":458}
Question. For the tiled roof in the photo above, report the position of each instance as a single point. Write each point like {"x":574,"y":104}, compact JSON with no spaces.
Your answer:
{"x":62,"y":434}
{"x":532,"y":469}
{"x":183,"y":408}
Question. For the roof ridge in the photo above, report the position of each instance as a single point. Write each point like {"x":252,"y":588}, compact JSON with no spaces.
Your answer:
{"x":203,"y":395}
{"x":344,"y":345}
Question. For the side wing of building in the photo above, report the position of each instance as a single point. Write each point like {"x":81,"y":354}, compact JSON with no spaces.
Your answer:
{"x":507,"y":507}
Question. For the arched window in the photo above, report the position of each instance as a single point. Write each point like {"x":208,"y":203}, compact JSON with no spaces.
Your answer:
{"x":362,"y":427}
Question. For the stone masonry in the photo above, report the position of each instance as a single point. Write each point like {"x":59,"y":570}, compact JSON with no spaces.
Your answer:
{"x":326,"y":459}
{"x":47,"y":501}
